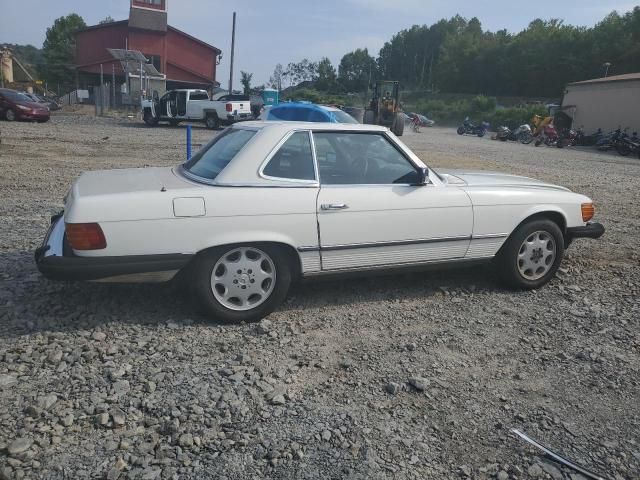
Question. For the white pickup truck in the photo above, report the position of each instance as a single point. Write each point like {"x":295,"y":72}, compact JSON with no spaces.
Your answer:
{"x":177,"y":106}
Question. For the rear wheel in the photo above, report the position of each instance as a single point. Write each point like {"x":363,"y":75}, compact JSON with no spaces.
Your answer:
{"x":212,"y":122}
{"x":481,"y":133}
{"x":241,"y":282}
{"x":10,"y":115}
{"x":149,"y":119}
{"x":526,"y":138}
{"x":623,"y":149}
{"x":532,"y":255}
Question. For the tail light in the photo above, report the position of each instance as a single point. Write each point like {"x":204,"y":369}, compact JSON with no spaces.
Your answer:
{"x":85,"y":236}
{"x":588,"y":211}
{"x":229,"y":107}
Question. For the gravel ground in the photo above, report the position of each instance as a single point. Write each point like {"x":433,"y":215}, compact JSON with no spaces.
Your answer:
{"x":414,"y":376}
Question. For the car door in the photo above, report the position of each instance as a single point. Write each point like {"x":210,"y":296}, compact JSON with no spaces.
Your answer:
{"x":370,"y":211}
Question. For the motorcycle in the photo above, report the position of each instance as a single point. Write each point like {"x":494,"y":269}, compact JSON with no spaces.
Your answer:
{"x":549,"y":136}
{"x":567,"y":137}
{"x":587,"y":140}
{"x":627,"y":145}
{"x":469,"y":128}
{"x":521,"y":134}
{"x":609,"y":141}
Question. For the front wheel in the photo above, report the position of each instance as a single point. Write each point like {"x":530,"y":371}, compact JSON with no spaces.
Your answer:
{"x":241,"y":282}
{"x":532,"y":254}
{"x":481,"y":133}
{"x":10,"y":115}
{"x":460,"y":130}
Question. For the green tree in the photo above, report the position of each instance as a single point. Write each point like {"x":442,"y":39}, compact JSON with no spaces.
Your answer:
{"x":245,"y":80}
{"x":275,"y":81}
{"x":356,"y":69}
{"x":326,"y":75}
{"x":59,"y":49}
{"x":108,"y":19}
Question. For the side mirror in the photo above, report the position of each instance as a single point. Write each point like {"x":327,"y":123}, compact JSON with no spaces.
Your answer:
{"x":423,"y":177}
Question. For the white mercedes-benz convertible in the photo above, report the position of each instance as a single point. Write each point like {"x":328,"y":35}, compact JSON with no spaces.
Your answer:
{"x":266,"y":203}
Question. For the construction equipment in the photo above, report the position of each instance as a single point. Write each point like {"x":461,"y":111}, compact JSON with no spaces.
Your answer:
{"x":384,"y":108}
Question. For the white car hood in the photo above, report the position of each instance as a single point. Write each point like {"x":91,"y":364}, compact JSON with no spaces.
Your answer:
{"x":494,"y":179}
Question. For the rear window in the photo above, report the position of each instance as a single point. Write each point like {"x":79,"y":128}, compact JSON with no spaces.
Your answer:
{"x":343,"y":117}
{"x":199,"y":96}
{"x":213,"y":157}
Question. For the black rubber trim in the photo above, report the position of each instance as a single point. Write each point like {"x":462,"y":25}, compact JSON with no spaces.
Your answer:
{"x":590,"y":230}
{"x":95,"y":268}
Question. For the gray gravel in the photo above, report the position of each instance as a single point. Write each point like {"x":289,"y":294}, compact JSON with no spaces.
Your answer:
{"x":413,"y":376}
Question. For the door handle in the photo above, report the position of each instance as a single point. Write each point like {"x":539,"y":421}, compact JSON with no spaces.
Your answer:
{"x":333,"y":206}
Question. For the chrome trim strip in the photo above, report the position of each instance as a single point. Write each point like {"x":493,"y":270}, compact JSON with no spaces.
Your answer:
{"x":489,"y":235}
{"x":392,"y":266}
{"x":351,"y":246}
{"x":275,"y":150}
{"x":308,"y":249}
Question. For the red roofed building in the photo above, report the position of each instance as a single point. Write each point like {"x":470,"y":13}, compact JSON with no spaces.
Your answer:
{"x":184,"y":61}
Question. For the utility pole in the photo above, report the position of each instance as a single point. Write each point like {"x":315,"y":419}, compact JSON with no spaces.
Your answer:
{"x":233,"y":46}
{"x":113,"y":83}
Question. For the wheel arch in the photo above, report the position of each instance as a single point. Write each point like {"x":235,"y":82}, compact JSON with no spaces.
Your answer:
{"x":291,"y":253}
{"x":555,"y":215}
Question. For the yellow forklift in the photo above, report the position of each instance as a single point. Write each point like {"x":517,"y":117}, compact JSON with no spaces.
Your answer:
{"x":384,"y":108}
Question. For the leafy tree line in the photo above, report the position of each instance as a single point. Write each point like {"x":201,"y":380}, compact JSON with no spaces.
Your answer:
{"x":457,"y":55}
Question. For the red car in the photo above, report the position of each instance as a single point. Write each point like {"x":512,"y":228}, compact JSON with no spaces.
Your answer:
{"x":17,"y":106}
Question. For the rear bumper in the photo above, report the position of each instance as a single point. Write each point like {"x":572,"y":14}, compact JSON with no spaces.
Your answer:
{"x":56,"y":262}
{"x":590,"y":230}
{"x":237,"y":117}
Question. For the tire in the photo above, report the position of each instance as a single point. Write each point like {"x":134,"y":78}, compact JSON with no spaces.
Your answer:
{"x":460,"y":130}
{"x":149,"y":119}
{"x":211,"y":288}
{"x":174,"y":123}
{"x":538,"y":142}
{"x":543,"y":240}
{"x":398,"y":124}
{"x":10,"y":115}
{"x":623,"y":149}
{"x":526,"y":138}
{"x":369,"y":117}
{"x":212,"y":122}
{"x":480,"y":133}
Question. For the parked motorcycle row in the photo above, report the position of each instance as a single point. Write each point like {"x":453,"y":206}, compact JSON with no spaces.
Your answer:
{"x":546,"y":133}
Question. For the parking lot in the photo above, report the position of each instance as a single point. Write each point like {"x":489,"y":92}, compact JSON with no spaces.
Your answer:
{"x":110,"y":381}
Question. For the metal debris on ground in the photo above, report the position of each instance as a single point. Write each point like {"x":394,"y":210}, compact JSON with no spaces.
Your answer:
{"x":557,"y":457}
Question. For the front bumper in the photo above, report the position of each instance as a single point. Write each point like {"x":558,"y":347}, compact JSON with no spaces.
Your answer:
{"x":39,"y":116}
{"x":590,"y":230}
{"x":57,"y":262}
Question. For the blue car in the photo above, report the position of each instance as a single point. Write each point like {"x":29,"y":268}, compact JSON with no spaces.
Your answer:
{"x":306,"y":112}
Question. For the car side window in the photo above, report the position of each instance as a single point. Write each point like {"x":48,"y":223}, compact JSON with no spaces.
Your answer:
{"x":293,"y":160}
{"x":347,"y":158}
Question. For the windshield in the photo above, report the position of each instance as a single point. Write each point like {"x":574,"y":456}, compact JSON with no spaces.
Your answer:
{"x":16,"y":96}
{"x":343,"y":117}
{"x":217,"y":154}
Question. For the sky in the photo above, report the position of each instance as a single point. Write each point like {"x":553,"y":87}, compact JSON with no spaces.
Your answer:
{"x":283,"y":31}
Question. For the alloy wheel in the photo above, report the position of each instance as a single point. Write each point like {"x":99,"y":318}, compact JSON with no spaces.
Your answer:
{"x":243,"y":278}
{"x":536,"y":255}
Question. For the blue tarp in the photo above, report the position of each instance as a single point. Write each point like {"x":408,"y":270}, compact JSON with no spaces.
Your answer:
{"x":301,"y":112}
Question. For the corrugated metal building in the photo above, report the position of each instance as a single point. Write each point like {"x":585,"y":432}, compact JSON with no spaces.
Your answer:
{"x":606,"y":103}
{"x":183,"y":60}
